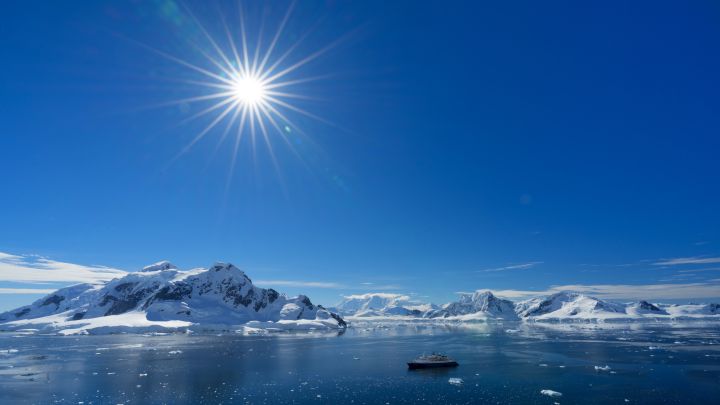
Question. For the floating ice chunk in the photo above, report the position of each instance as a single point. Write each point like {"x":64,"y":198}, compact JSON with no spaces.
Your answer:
{"x":175,"y":352}
{"x":8,"y":351}
{"x":456,"y":381}
{"x":129,"y":346}
{"x":653,"y":348}
{"x":551,"y":393}
{"x":512,"y":330}
{"x":543,"y":365}
{"x":142,"y":375}
{"x":602,"y":368}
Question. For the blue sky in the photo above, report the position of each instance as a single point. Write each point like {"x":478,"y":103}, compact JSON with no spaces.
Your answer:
{"x":514,"y":146}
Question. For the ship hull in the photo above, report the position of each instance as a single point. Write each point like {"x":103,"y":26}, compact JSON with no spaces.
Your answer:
{"x":415,"y":366}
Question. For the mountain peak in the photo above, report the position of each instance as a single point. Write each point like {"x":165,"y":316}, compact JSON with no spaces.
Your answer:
{"x":480,"y":304}
{"x":159,"y":266}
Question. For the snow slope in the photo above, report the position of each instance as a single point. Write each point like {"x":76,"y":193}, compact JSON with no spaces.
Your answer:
{"x":161,"y":296}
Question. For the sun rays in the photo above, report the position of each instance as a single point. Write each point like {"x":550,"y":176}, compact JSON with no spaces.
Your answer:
{"x":247,"y":87}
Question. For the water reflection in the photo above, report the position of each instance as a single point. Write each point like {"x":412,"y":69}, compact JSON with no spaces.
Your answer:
{"x":508,"y":362}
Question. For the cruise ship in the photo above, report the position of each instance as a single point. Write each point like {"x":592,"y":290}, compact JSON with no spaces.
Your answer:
{"x":434,"y":360}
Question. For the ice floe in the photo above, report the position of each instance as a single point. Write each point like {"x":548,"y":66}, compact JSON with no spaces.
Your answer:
{"x":550,"y":393}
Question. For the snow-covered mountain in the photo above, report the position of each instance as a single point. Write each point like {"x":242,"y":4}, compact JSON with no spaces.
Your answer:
{"x":572,"y":306}
{"x":381,"y":304}
{"x":644,"y":308}
{"x":560,"y":307}
{"x":478,"y":305}
{"x":566,"y":305}
{"x":160,"y":296}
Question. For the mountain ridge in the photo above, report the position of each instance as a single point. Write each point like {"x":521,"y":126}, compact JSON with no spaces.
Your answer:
{"x":161,"y":295}
{"x":561,"y":306}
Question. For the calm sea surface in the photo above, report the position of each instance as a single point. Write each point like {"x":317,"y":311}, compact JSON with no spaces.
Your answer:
{"x":507,"y":363}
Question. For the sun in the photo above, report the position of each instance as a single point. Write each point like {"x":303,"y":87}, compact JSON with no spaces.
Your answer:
{"x":249,"y":91}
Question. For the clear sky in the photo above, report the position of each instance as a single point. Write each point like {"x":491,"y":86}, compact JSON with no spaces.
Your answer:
{"x":502,"y":145}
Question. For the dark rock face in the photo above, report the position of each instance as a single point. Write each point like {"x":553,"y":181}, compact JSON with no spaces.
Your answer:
{"x":78,"y":316}
{"x":541,"y":309}
{"x":124,"y":304}
{"x":124,"y":287}
{"x":245,"y":300}
{"x":21,"y":313}
{"x":603,"y":306}
{"x":305,"y":300}
{"x":341,"y":322}
{"x":53,"y":299}
{"x":175,"y":292}
{"x":644,"y":305}
{"x":714,"y":308}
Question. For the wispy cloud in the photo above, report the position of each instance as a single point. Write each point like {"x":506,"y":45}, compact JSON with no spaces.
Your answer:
{"x":326,"y":284}
{"x":295,"y":283}
{"x":368,"y":285}
{"x":521,"y":266}
{"x":25,"y":291}
{"x":687,"y":260}
{"x":401,"y":297}
{"x":627,"y":291}
{"x":37,"y":269}
{"x":697,"y":270}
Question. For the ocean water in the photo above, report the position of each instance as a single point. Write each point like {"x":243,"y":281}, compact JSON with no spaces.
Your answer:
{"x":506,"y":363}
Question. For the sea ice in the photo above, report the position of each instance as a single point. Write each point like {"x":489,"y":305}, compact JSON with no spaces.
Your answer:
{"x":602,"y":368}
{"x":456,"y":381}
{"x":551,"y":393}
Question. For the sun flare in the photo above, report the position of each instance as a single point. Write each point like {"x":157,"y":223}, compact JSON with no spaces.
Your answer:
{"x":249,"y":87}
{"x":249,"y":90}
